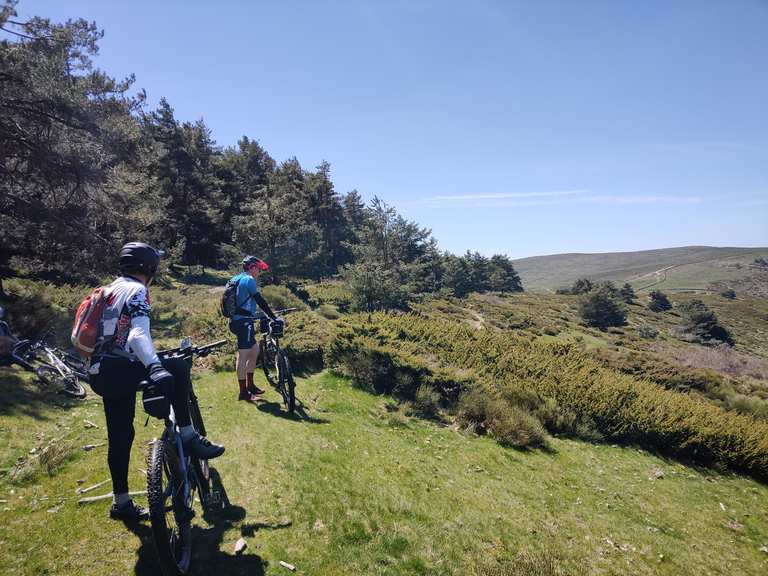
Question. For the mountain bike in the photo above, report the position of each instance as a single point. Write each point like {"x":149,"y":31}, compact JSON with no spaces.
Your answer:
{"x":274,"y":361}
{"x":54,"y":369}
{"x":173,"y":477}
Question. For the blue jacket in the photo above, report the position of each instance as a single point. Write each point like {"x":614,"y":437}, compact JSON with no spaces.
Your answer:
{"x":246,"y":290}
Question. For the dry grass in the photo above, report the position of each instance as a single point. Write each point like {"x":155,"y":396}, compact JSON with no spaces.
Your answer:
{"x":722,"y":358}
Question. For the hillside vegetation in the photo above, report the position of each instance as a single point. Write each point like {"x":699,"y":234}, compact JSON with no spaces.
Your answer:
{"x":420,"y":477}
{"x":686,"y":268}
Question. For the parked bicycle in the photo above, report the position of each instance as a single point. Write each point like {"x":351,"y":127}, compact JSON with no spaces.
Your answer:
{"x":55,"y":369}
{"x":173,"y":477}
{"x":274,"y":361}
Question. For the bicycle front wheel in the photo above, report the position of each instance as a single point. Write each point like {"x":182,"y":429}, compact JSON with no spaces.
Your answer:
{"x":50,"y":378}
{"x":202,"y":470}
{"x":170,"y":516}
{"x":287,"y":384}
{"x":269,"y":364}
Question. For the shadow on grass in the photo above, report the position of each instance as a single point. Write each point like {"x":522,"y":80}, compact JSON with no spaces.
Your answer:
{"x":19,"y":396}
{"x":299,"y":413}
{"x":207,"y":556}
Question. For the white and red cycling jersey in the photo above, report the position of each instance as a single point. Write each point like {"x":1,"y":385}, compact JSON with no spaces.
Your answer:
{"x":124,"y":328}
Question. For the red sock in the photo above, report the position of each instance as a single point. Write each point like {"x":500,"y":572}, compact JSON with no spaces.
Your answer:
{"x":249,"y":375}
{"x":242,"y":386}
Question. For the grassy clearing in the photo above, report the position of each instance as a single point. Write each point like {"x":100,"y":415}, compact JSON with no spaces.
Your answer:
{"x":355,"y":488}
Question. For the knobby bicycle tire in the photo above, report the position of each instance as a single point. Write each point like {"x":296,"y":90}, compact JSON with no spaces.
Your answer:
{"x":202,"y":471}
{"x":269,"y":368}
{"x":173,"y":545}
{"x":287,"y":383}
{"x":50,"y":377}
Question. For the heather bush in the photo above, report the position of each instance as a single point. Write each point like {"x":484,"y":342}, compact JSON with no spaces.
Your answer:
{"x":280,"y":297}
{"x":426,"y":403}
{"x":328,"y":311}
{"x":647,"y":331}
{"x":620,"y":407}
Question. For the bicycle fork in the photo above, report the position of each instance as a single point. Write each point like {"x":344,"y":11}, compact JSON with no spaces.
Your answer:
{"x":182,"y":505}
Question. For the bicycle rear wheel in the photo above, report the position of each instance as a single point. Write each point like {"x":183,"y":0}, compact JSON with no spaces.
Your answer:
{"x":170,"y":517}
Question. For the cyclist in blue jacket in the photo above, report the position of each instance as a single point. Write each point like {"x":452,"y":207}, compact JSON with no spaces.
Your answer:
{"x":247,"y":297}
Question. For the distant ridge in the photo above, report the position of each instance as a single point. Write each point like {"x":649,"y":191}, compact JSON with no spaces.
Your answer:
{"x":684,"y":268}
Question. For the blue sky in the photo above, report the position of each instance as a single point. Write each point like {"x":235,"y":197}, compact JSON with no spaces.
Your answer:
{"x":523,"y":128}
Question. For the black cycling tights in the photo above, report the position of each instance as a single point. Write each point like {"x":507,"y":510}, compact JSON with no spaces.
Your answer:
{"x":116,"y":382}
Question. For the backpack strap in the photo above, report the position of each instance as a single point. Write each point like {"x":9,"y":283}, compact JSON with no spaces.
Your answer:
{"x":239,"y":307}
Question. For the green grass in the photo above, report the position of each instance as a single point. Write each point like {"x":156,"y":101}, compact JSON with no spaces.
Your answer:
{"x":357,"y":489}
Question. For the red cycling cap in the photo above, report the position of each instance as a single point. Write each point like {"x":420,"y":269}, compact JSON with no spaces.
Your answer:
{"x":249,"y":261}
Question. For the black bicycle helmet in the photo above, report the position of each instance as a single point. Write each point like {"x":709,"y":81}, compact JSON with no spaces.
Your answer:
{"x":249,"y":261}
{"x":139,"y":257}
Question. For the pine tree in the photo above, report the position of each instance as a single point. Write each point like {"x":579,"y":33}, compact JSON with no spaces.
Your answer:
{"x":602,"y":307}
{"x":658,"y":301}
{"x":504,"y":277}
{"x":627,"y":293}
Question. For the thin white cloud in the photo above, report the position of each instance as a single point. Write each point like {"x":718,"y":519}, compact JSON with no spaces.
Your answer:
{"x":551,"y":198}
{"x":503,"y":195}
{"x":659,"y":199}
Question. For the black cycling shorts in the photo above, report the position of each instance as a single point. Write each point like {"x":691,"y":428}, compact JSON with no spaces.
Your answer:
{"x":245,"y":332}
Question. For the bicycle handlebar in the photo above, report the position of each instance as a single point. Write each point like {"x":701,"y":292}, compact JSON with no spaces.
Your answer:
{"x":277,"y":313}
{"x":191,"y":351}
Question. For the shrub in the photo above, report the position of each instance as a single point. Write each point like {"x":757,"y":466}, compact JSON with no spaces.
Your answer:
{"x":601,"y":308}
{"x":647,"y":331}
{"x":622,"y":407}
{"x":383,"y":369}
{"x":514,"y":427}
{"x":427,"y":402}
{"x":41,"y":307}
{"x":306,"y":336}
{"x":729,"y":294}
{"x":506,"y":422}
{"x":328,"y":311}
{"x":700,"y":323}
{"x":280,"y":297}
{"x":334,"y":293}
{"x":658,"y":301}
{"x":580,"y":286}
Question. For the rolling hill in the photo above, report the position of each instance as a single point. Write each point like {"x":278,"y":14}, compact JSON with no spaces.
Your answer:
{"x":685,"y":268}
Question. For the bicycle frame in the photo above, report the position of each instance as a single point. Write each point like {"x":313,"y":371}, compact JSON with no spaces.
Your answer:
{"x":57,"y":363}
